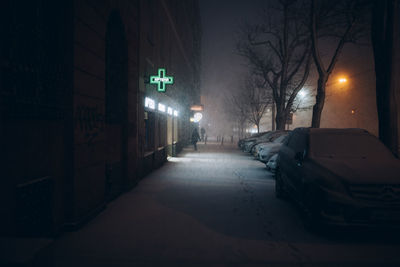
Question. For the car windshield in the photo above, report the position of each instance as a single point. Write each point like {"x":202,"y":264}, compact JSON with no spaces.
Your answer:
{"x":271,"y":136}
{"x":280,"y":139}
{"x":339,"y":145}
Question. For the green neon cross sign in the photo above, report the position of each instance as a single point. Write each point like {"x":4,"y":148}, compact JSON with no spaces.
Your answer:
{"x":161,"y":80}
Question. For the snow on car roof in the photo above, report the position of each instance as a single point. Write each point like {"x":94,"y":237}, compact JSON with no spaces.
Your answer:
{"x":340,"y":143}
{"x":337,"y":130}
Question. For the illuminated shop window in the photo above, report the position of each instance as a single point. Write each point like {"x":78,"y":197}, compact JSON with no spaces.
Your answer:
{"x":149,"y":103}
{"x":149,"y":130}
{"x":161,"y":107}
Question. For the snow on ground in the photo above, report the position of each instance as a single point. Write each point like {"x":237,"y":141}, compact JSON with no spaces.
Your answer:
{"x":213,"y":207}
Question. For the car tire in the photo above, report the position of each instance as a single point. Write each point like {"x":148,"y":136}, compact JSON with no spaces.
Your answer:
{"x":279,"y":187}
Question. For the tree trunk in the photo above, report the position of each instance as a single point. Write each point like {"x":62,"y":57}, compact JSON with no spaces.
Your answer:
{"x":281,"y":121}
{"x":384,"y":44}
{"x":280,"y":117}
{"x":319,"y":103}
{"x":273,"y":117}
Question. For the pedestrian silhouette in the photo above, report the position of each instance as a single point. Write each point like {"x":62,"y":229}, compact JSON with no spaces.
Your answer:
{"x":195,"y":138}
{"x":202,"y":132}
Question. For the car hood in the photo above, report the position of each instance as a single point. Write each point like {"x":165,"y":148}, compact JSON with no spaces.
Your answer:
{"x":363,"y":171}
{"x":270,"y":148}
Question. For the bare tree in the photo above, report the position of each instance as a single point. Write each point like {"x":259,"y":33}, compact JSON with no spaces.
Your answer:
{"x":278,"y":50}
{"x":251,"y":101}
{"x":340,"y":20}
{"x":257,"y":98}
{"x":385,"y":43}
{"x":237,"y":111}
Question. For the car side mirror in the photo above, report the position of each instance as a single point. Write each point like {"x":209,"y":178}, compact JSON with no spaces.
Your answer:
{"x":299,"y":156}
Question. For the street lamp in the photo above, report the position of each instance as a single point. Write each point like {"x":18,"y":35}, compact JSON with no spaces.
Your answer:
{"x":302,"y":93}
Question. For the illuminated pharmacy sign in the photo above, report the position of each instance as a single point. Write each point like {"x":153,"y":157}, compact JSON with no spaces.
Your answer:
{"x":161,"y":80}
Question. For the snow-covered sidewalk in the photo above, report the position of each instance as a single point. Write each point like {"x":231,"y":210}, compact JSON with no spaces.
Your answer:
{"x":211,"y":207}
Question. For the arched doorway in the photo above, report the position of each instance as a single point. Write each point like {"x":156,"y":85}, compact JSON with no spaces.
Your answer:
{"x":116,"y":104}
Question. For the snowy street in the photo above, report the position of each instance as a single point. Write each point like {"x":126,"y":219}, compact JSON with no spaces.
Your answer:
{"x":213,"y":207}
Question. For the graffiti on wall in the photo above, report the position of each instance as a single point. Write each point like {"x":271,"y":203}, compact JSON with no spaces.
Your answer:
{"x":90,"y":121}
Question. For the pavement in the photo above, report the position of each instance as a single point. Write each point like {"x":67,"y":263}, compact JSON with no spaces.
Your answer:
{"x":213,"y":207}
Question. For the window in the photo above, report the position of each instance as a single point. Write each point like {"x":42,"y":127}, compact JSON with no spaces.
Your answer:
{"x":149,"y":131}
{"x":175,"y":137}
{"x":162,"y":130}
{"x":169,"y":130}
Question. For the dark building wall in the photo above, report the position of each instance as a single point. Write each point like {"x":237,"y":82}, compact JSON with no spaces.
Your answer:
{"x":72,"y":85}
{"x":167,"y":42}
{"x":397,"y":70}
{"x":35,"y":104}
{"x":105,"y":102}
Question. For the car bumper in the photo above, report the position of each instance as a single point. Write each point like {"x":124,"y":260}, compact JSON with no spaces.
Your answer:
{"x":342,"y":210}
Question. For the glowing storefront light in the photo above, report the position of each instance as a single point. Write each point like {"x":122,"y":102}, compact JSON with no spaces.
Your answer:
{"x":169,"y":111}
{"x":161,"y":80}
{"x":149,"y":103}
{"x":197,"y":116}
{"x":197,"y":108}
{"x":161,"y":107}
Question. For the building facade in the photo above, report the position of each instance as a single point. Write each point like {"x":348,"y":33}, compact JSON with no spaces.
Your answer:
{"x":76,"y":126}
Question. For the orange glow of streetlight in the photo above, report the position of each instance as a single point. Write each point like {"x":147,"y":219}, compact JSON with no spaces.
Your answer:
{"x":342,"y":80}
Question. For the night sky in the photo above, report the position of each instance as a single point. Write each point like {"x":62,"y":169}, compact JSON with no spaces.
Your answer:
{"x":221,"y":66}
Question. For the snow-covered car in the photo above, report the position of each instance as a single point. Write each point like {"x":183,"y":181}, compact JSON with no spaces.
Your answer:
{"x":242,"y":141}
{"x":249,"y":143}
{"x":340,"y":177}
{"x":266,"y":151}
{"x":269,"y":137}
{"x":257,"y":147}
{"x":272,"y":163}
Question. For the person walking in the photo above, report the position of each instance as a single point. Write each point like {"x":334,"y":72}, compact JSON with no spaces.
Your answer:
{"x":202,"y":132}
{"x":195,"y":138}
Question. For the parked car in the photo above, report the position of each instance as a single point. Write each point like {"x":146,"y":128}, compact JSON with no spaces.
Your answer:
{"x":248,"y":144}
{"x":243,"y":140}
{"x":340,"y":177}
{"x":266,"y":151}
{"x":269,"y":137}
{"x":272,"y":163}
{"x":256,"y":148}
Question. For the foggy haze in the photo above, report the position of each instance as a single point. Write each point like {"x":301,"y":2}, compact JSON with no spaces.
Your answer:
{"x":223,"y":71}
{"x":222,"y":67}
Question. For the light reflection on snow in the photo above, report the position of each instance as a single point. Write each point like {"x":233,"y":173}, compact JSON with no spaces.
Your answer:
{"x":187,"y":158}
